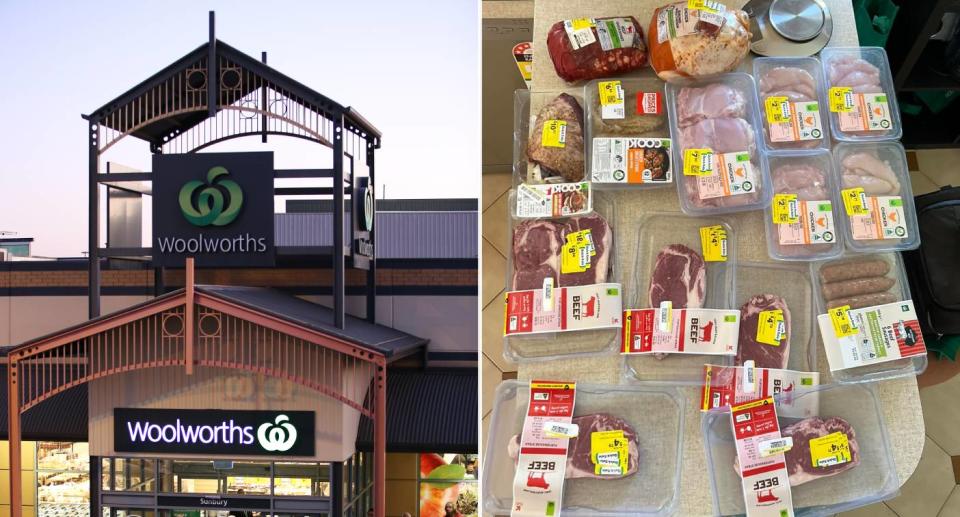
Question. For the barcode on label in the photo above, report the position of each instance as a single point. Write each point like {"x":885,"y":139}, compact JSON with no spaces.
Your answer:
{"x":610,"y":470}
{"x":723,"y":246}
{"x":548,"y":293}
{"x":832,"y":460}
{"x":665,"y":318}
{"x":608,"y":458}
{"x":561,"y":430}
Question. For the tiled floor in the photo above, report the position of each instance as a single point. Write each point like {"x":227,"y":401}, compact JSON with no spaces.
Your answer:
{"x":932,"y":491}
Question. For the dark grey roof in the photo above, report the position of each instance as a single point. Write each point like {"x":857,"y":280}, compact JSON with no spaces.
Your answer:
{"x":390,"y":342}
{"x":433,"y":410}
{"x":61,"y":417}
{"x":389,"y":205}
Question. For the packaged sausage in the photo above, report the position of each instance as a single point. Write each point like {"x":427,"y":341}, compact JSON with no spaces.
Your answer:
{"x":590,"y":48}
{"x":628,"y":134}
{"x":696,"y":43}
{"x":792,"y":112}
{"x":861,"y":99}
{"x":650,"y":419}
{"x":874,"y":198}
{"x":802,"y":219}
{"x":717,"y":154}
{"x":876,"y":283}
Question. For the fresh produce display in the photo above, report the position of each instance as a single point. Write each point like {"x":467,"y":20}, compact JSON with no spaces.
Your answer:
{"x":556,"y":142}
{"x":763,"y":355}
{"x":590,"y":48}
{"x":697,"y":42}
{"x":538,"y":246}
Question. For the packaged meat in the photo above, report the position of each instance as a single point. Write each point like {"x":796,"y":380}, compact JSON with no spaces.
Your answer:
{"x":770,"y":286}
{"x":671,"y":264}
{"x":716,"y":156}
{"x":653,"y":420}
{"x":555,"y":148}
{"x":802,"y":218}
{"x":628,"y":138}
{"x":860,"y":96}
{"x":590,"y":48}
{"x":696,"y":43}
{"x":537,"y":253}
{"x":862,"y":281}
{"x":874,"y":179}
{"x":792,"y":112}
{"x":858,"y":471}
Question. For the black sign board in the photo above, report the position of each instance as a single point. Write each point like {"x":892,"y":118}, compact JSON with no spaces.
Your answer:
{"x":213,"y":501}
{"x":216,"y":207}
{"x":364,"y":212}
{"x":212,"y":431}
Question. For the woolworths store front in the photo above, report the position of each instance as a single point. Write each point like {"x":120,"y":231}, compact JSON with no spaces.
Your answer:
{"x":248,"y":363}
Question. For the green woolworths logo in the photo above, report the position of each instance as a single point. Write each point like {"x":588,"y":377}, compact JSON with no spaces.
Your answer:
{"x":209,"y":208}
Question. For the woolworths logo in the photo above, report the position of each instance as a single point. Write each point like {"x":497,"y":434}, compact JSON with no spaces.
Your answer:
{"x":216,"y":202}
{"x":278,"y":436}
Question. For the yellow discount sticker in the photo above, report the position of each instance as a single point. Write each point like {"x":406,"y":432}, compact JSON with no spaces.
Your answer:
{"x":577,"y":252}
{"x":841,"y":99}
{"x":831,"y":449}
{"x":698,"y":162}
{"x":609,"y":451}
{"x":771,"y":327}
{"x":611,"y":92}
{"x":778,"y":109}
{"x":786,"y":209}
{"x":711,"y":6}
{"x":840,"y":319}
{"x":582,"y":23}
{"x":855,"y":201}
{"x":713,"y":243}
{"x":554,"y":133}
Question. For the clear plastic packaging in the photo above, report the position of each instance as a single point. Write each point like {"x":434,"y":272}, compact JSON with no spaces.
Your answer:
{"x":791,"y":282}
{"x":866,"y":71}
{"x":881,"y":161}
{"x":809,"y":176}
{"x":721,"y":120}
{"x":800,"y":81}
{"x":655,"y":413}
{"x":531,"y":347}
{"x":874,"y":479}
{"x":643,"y":126}
{"x":898,"y":291}
{"x":657,"y":231}
{"x":527,"y":106}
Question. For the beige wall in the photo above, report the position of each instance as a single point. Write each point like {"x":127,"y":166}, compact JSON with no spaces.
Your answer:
{"x":402,"y":491}
{"x":27,"y":317}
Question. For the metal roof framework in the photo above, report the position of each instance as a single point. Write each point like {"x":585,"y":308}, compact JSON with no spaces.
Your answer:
{"x":197,"y":327}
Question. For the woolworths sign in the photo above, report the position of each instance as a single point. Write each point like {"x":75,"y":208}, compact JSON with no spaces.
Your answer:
{"x":214,"y":432}
{"x":217,"y":207}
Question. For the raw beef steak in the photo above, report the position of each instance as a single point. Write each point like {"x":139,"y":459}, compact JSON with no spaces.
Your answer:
{"x":566,"y":161}
{"x":799,"y":464}
{"x":762,"y":354}
{"x":579,"y":464}
{"x":679,"y":275}
{"x":537,"y":245}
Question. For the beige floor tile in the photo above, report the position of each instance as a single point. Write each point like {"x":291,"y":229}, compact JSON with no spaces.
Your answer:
{"x":492,"y":335}
{"x":928,"y":488}
{"x":494,"y":186}
{"x":496,"y":227}
{"x":921,"y":184}
{"x":941,"y":414}
{"x":952,"y":507}
{"x":940,"y":165}
{"x":873,"y":510}
{"x":494,"y":271}
{"x":491,"y":379}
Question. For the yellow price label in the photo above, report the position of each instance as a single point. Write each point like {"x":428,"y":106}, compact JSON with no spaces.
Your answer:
{"x":831,"y":449}
{"x":582,"y":23}
{"x":577,"y":252}
{"x":841,"y":99}
{"x":786,"y":209}
{"x":610,"y":92}
{"x":855,"y":201}
{"x":713,"y":243}
{"x":698,"y":162}
{"x":771,"y":328}
{"x":840,"y":318}
{"x":609,"y":451}
{"x":554,"y":133}
{"x":711,"y":6}
{"x":778,"y":109}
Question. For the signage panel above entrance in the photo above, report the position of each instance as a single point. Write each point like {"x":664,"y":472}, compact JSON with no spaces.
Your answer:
{"x":217,"y":207}
{"x":214,"y":432}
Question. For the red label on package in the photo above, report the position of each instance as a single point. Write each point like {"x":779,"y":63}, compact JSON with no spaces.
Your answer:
{"x":649,"y":103}
{"x":542,"y":465}
{"x":766,"y":485}
{"x":732,"y":385}
{"x":579,"y":307}
{"x":691,"y":331}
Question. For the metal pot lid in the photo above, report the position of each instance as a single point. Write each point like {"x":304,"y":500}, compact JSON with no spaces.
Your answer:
{"x":796,"y":20}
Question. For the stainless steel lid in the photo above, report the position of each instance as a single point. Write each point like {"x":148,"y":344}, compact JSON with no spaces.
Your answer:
{"x":796,"y":20}
{"x":788,"y":27}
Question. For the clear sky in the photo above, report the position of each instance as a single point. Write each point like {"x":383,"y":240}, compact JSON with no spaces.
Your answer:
{"x":411,"y":68}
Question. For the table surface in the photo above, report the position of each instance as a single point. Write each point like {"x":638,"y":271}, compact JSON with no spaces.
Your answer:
{"x":899,"y":398}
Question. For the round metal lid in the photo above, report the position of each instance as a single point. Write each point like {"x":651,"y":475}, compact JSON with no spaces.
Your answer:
{"x":796,"y":20}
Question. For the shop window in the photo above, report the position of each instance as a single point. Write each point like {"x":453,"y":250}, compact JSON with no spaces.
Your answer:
{"x":248,"y":478}
{"x":301,"y":479}
{"x":448,"y":479}
{"x":191,"y":477}
{"x":129,"y":475}
{"x":63,"y":479}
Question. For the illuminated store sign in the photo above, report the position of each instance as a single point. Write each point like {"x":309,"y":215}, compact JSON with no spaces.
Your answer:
{"x":208,"y":432}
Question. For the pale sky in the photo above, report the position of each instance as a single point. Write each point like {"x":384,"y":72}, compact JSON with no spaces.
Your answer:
{"x":411,"y":68}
